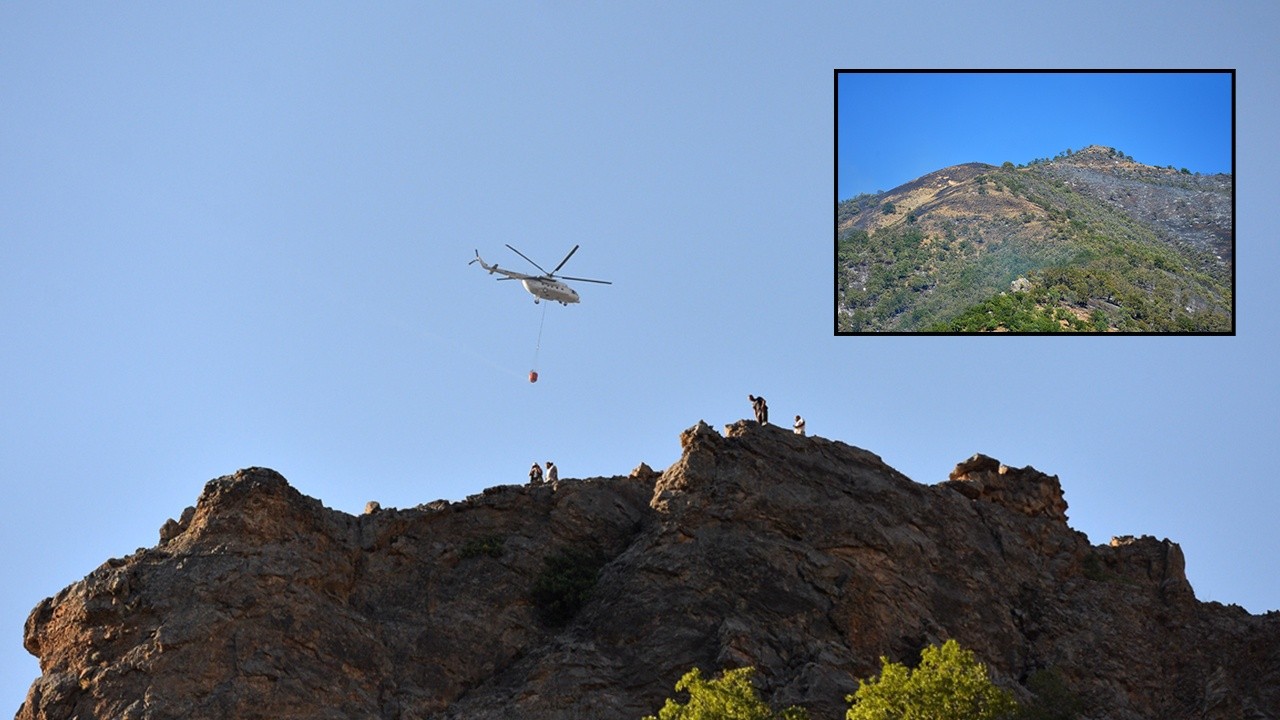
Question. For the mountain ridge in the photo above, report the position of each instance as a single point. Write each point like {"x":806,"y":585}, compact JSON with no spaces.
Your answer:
{"x":804,"y":557}
{"x":1103,"y":244}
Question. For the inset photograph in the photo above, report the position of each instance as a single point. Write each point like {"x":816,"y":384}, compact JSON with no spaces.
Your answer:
{"x":1035,"y":202}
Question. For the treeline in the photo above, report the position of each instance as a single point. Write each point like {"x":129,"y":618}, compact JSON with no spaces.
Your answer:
{"x":901,"y":279}
{"x":1103,"y":296}
{"x":1111,"y":152}
{"x":949,"y":683}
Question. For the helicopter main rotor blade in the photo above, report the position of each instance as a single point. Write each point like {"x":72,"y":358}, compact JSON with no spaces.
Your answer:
{"x":566,"y":277}
{"x":526,"y":257}
{"x":565,"y":260}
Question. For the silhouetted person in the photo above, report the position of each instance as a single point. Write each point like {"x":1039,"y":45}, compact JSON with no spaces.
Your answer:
{"x":553,"y":474}
{"x":799,"y":426}
{"x":535,"y":475}
{"x":760,"y":408}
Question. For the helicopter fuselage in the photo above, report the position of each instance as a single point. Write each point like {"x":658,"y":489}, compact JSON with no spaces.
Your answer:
{"x":542,"y":288}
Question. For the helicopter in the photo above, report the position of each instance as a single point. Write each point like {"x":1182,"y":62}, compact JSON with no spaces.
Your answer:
{"x":546,"y":286}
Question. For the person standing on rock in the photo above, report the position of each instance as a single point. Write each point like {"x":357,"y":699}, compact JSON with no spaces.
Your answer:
{"x":799,"y":426}
{"x":535,"y":474}
{"x":553,"y":474}
{"x":760,"y":408}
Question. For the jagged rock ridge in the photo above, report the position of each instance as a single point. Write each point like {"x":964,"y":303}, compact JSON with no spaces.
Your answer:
{"x":804,"y":557}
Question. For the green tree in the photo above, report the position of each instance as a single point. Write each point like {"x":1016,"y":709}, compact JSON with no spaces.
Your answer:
{"x":1052,"y":698}
{"x":949,"y":684}
{"x":728,"y":697}
{"x":565,"y":583}
{"x":889,"y":209}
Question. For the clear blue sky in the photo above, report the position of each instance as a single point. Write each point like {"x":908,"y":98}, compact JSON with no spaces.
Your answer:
{"x":237,"y":234}
{"x":896,"y":126}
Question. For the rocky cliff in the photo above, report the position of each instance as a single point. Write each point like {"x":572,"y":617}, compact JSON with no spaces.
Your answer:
{"x":806,"y":558}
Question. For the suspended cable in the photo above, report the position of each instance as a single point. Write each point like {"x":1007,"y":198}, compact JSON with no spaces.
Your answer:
{"x":533,"y":374}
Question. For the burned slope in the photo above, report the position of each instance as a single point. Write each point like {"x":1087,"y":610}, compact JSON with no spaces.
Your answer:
{"x":868,"y":212}
{"x":1186,"y":210}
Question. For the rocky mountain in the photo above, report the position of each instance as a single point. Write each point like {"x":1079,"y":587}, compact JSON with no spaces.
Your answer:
{"x":801,"y":556}
{"x":1089,"y":241}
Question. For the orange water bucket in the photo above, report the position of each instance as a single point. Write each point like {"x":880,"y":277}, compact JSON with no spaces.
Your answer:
{"x":533,"y":376}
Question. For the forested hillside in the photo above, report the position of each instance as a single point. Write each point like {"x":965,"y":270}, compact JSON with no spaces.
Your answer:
{"x":1088,"y":241}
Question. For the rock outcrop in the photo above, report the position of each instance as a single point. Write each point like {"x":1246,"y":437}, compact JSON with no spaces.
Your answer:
{"x":806,"y":558}
{"x":1026,"y":490}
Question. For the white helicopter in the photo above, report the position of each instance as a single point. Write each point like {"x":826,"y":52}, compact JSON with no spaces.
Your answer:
{"x":546,"y":286}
